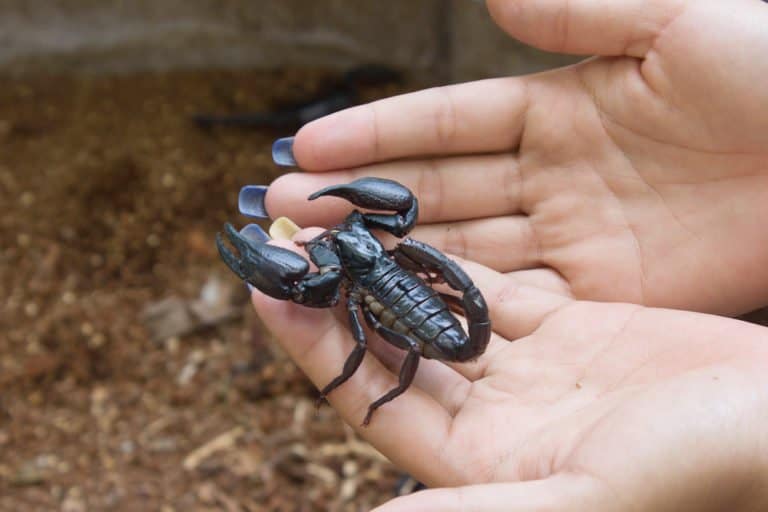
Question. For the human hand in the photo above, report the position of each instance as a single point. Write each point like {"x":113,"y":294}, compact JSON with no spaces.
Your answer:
{"x":596,"y":407}
{"x":640,"y":176}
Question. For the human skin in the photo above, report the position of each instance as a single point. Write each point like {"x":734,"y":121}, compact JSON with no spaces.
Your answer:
{"x":595,"y":407}
{"x":638,"y":176}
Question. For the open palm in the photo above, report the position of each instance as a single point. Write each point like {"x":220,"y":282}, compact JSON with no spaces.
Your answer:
{"x":639,"y":176}
{"x":594,"y":407}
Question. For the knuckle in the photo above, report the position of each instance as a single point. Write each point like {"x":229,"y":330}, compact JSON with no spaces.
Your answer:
{"x":508,"y":293}
{"x":376,"y":142}
{"x":445,"y":120}
{"x":456,"y":243}
{"x":561,"y":26}
{"x":512,"y":183}
{"x":429,"y":189}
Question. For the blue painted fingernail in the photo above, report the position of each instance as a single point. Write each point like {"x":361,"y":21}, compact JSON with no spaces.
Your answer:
{"x":282,"y":152}
{"x":254,"y":233}
{"x":251,"y":201}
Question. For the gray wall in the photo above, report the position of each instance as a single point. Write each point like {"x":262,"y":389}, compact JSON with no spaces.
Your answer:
{"x":446,"y":40}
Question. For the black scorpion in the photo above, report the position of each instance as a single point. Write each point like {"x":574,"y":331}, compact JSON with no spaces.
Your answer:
{"x":390,"y":287}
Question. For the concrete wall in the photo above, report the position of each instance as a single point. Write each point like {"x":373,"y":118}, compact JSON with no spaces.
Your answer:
{"x":449,"y":40}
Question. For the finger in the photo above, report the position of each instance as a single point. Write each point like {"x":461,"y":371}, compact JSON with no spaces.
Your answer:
{"x":502,"y":243}
{"x":516,"y":308}
{"x":320,"y":345}
{"x":545,"y":279}
{"x":477,"y":117}
{"x":476,"y":369}
{"x":448,"y":189}
{"x":563,"y":492}
{"x":586,"y":27}
{"x":446,"y":385}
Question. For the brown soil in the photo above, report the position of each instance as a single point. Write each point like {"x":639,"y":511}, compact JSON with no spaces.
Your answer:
{"x":110,"y":200}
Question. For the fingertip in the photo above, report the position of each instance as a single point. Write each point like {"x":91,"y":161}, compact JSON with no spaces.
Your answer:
{"x":306,"y":234}
{"x":539,"y":24}
{"x":505,"y":13}
{"x":301,"y":145}
{"x":284,"y":192}
{"x":336,"y":141}
{"x":499,"y":9}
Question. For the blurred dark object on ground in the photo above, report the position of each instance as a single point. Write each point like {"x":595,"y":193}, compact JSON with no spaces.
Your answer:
{"x":337,"y":94}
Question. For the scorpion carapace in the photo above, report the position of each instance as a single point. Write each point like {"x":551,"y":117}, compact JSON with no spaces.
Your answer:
{"x":388,"y":288}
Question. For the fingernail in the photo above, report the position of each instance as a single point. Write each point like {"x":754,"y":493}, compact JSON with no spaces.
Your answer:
{"x":283,"y":229}
{"x":254,"y":233}
{"x":251,"y":201}
{"x":282,"y":152}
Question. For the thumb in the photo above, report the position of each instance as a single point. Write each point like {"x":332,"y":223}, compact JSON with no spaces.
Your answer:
{"x":586,"y":27}
{"x":574,"y":493}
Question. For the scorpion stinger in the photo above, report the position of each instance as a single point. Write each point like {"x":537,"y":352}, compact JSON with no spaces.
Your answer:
{"x":379,"y":194}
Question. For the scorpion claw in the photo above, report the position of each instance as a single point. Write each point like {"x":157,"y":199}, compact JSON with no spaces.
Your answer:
{"x":378,"y":194}
{"x":273,"y":270}
{"x":255,"y":233}
{"x":238,"y":240}
{"x":227,"y":256}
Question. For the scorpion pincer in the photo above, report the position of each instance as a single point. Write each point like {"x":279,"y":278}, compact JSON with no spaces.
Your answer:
{"x":388,"y":287}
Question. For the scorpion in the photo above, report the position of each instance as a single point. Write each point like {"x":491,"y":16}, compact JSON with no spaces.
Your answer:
{"x":391,"y":288}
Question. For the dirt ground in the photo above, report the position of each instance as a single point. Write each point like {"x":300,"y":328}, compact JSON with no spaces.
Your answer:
{"x":110,"y":201}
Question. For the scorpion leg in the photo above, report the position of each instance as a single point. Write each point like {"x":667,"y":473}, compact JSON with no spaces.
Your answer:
{"x":281,"y":273}
{"x":356,"y":357}
{"x":407,"y":370}
{"x":379,"y":194}
{"x":414,"y":266}
{"x":472,"y":301}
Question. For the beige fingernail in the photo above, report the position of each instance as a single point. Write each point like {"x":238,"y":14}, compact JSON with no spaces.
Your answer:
{"x":283,"y":229}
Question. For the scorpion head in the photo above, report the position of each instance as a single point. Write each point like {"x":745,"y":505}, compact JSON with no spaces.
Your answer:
{"x":358,"y":249}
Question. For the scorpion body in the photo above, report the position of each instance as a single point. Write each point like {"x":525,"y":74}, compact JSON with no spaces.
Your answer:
{"x":390,"y":288}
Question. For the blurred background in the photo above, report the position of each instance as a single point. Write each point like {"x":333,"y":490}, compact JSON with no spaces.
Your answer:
{"x":133,"y":374}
